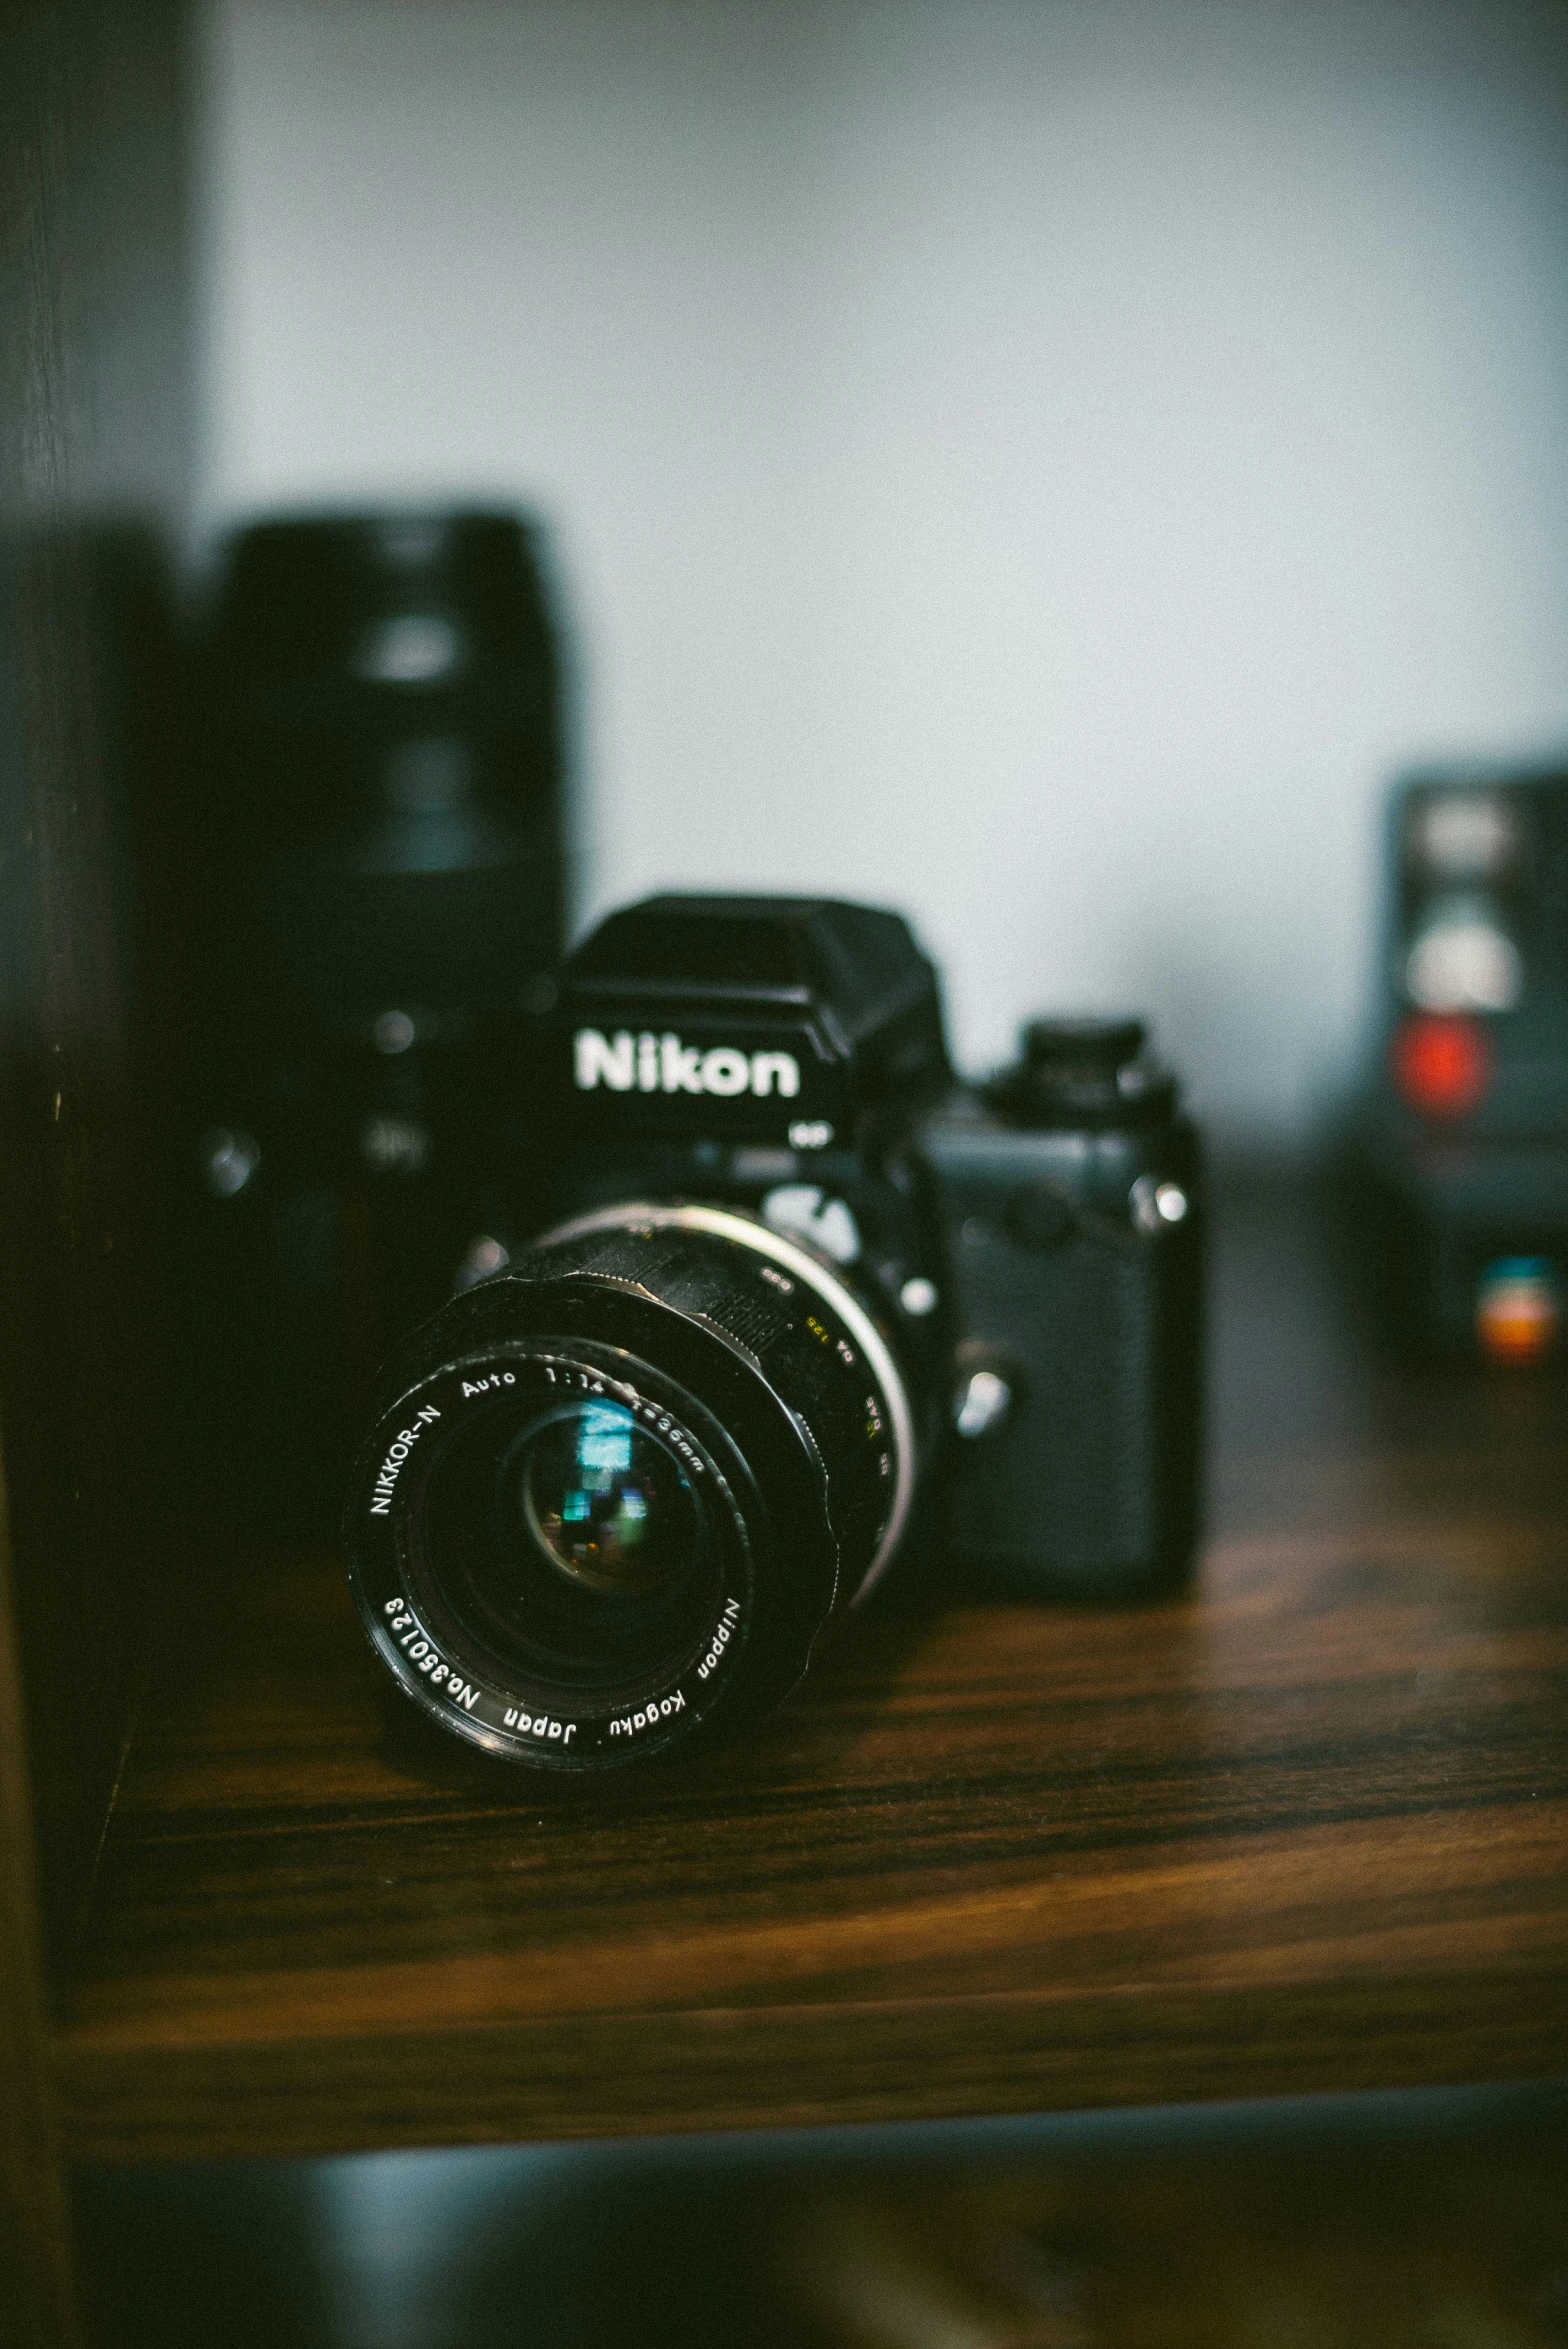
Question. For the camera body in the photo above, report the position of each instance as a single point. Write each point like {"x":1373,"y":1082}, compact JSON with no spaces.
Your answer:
{"x":1462,"y":1135}
{"x":1031,"y":1245}
{"x":803,"y":1305}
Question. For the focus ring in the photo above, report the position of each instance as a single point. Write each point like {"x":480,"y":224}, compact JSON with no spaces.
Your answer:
{"x":804,"y":1327}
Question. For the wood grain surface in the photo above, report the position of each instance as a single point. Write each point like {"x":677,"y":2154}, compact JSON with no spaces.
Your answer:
{"x":1302,"y":1830}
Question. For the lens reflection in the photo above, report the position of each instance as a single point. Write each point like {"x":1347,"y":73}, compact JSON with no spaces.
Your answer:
{"x":607,"y":1504}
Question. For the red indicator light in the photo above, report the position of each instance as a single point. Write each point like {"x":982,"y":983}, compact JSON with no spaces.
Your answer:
{"x":1518,"y":1309}
{"x":1441,"y":1063}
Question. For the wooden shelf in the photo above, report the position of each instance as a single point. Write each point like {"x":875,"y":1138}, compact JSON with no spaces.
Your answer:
{"x":1303,"y":1831}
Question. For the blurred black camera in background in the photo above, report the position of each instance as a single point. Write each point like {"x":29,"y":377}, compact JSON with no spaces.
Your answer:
{"x":377,"y":873}
{"x":1462,"y":1137}
{"x":804,"y":1304}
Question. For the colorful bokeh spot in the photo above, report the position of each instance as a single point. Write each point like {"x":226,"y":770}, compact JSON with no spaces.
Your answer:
{"x":1518,"y":1309}
{"x":1441,"y":1063}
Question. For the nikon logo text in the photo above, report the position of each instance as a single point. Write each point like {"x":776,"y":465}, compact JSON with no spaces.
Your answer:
{"x":663,"y":1064}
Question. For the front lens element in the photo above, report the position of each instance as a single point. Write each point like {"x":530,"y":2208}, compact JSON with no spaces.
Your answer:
{"x":568,"y":1544}
{"x":607,"y":1505}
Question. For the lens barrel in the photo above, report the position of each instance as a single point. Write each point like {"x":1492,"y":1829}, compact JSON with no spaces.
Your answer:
{"x":621,"y":1489}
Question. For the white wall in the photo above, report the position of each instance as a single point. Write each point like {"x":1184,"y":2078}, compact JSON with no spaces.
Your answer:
{"x":1041,"y":465}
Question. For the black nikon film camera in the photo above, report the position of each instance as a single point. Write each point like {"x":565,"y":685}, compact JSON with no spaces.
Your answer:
{"x":378,"y":881}
{"x":1462,"y":1139}
{"x":803,"y":1303}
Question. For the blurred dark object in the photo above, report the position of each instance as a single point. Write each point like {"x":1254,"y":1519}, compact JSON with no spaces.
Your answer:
{"x":380,"y":896}
{"x":1412,"y":2242}
{"x":1409,"y":2222}
{"x":1461,"y":1143}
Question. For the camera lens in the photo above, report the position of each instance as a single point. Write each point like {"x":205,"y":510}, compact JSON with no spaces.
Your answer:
{"x":623,"y":1486}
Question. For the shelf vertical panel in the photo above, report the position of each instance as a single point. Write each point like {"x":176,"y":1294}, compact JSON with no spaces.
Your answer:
{"x":94,"y":384}
{"x":37,"y":2307}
